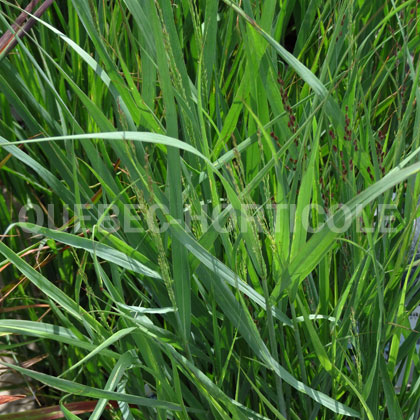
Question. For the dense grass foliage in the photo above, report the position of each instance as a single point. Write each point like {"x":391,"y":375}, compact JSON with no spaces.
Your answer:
{"x":157,"y":161}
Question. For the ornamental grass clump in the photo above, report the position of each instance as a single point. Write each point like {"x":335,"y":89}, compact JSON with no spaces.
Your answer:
{"x":198,"y":222}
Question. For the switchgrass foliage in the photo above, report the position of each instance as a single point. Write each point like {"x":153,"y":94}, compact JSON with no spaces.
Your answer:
{"x":211,"y":126}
